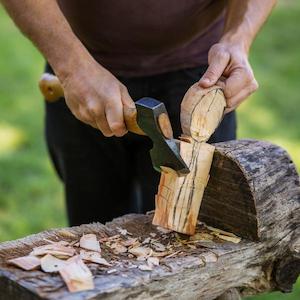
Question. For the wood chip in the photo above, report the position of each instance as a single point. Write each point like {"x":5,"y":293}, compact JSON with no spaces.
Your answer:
{"x":160,"y":254}
{"x":129,"y":242}
{"x":94,"y":257}
{"x":158,"y":247}
{"x":123,"y":231}
{"x":141,"y":252}
{"x":89,"y":242}
{"x":146,"y":240}
{"x":66,"y":233}
{"x":55,"y":249}
{"x":77,"y":275}
{"x":217,"y":230}
{"x":26,"y":263}
{"x":145,"y":268}
{"x":152,"y":261}
{"x":232,"y":239}
{"x":172,"y":254}
{"x":201,"y":236}
{"x":50,"y":264}
{"x":118,"y":248}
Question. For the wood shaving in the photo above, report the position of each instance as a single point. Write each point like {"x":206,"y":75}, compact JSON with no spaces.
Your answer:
{"x":89,"y":242}
{"x":152,"y":261}
{"x":201,"y":236}
{"x":141,"y":252}
{"x":158,"y":247}
{"x":50,"y":264}
{"x":77,"y":275}
{"x":94,"y":257}
{"x":118,"y":248}
{"x":26,"y":263}
{"x":129,"y":242}
{"x":145,"y":268}
{"x":217,"y":230}
{"x":56,"y":249}
{"x":67,"y":233}
{"x":232,"y":239}
{"x":123,"y":231}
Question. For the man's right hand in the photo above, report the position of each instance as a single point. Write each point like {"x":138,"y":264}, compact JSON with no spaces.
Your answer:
{"x":96,"y":98}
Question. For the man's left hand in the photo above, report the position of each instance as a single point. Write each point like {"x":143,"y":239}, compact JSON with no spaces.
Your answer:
{"x":229,"y":68}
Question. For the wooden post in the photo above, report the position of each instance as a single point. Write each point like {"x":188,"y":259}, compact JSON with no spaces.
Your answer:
{"x":253,"y":181}
{"x":178,"y":199}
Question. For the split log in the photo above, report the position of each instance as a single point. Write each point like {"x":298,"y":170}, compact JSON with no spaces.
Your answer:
{"x":178,"y":199}
{"x":262,"y":197}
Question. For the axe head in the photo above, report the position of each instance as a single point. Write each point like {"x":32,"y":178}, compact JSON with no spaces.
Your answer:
{"x":165,"y":151}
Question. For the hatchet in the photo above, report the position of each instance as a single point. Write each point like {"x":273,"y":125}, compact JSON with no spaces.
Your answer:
{"x":149,"y":117}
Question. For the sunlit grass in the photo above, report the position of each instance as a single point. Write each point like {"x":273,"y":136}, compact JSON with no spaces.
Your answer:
{"x":11,"y":139}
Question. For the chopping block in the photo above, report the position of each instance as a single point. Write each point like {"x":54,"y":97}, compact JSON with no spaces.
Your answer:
{"x":253,"y":191}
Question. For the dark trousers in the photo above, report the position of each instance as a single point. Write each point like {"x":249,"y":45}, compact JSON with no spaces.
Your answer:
{"x":109,"y":177}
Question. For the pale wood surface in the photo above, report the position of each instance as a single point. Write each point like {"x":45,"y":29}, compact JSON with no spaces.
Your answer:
{"x":178,"y":199}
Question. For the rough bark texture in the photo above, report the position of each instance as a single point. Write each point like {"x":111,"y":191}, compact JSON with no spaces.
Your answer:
{"x":254,"y":183}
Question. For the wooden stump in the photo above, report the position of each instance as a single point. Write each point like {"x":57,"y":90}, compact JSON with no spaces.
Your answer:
{"x":254,"y":191}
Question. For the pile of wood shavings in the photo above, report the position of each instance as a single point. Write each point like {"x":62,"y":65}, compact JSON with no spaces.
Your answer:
{"x":74,"y":259}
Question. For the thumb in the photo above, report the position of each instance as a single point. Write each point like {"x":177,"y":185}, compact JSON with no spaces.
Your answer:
{"x":215,"y":70}
{"x":126,"y":99}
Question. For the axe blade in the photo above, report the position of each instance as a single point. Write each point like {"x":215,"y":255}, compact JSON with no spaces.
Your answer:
{"x":165,"y":151}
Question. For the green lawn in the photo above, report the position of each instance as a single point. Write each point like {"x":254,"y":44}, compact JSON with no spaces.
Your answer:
{"x":31,"y":197}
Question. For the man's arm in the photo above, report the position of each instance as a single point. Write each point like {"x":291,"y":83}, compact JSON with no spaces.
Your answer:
{"x":92,"y":93}
{"x":228,"y":59}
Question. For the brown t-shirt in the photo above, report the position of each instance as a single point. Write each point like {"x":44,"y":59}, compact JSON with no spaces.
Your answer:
{"x":146,"y":37}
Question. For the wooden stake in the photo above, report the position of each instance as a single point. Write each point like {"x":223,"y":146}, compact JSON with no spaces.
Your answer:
{"x":178,"y":200}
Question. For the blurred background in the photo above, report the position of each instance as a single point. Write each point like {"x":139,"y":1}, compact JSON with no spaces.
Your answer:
{"x":31,"y":196}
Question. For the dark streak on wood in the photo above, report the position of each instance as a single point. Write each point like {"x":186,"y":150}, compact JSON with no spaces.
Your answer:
{"x":253,"y":184}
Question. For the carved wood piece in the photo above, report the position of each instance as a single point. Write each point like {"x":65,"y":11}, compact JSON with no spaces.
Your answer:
{"x":178,"y":199}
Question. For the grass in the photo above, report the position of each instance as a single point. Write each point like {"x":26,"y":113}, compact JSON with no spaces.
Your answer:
{"x":31,"y":197}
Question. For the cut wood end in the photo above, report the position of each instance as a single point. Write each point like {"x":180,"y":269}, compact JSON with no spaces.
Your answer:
{"x":202,"y":111}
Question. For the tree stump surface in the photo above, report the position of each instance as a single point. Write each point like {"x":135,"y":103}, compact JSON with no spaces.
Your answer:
{"x":253,"y":192}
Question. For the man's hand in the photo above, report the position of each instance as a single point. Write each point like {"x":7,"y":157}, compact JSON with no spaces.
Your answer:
{"x":228,"y":60}
{"x":229,"y":68}
{"x":97,"y":98}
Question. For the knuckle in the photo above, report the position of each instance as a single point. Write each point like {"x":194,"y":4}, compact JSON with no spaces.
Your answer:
{"x":228,"y":94}
{"x":94,"y":110}
{"x":117,"y":126}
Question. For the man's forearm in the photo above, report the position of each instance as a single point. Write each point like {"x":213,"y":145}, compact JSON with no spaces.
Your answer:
{"x":44,"y":24}
{"x":244,"y":20}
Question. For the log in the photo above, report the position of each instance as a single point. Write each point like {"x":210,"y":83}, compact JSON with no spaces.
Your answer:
{"x":261,"y":189}
{"x":178,"y":199}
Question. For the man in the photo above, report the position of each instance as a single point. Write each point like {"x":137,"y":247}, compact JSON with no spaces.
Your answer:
{"x":108,"y":53}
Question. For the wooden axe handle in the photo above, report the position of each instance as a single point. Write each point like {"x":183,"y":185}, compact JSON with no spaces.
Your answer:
{"x":52,"y":90}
